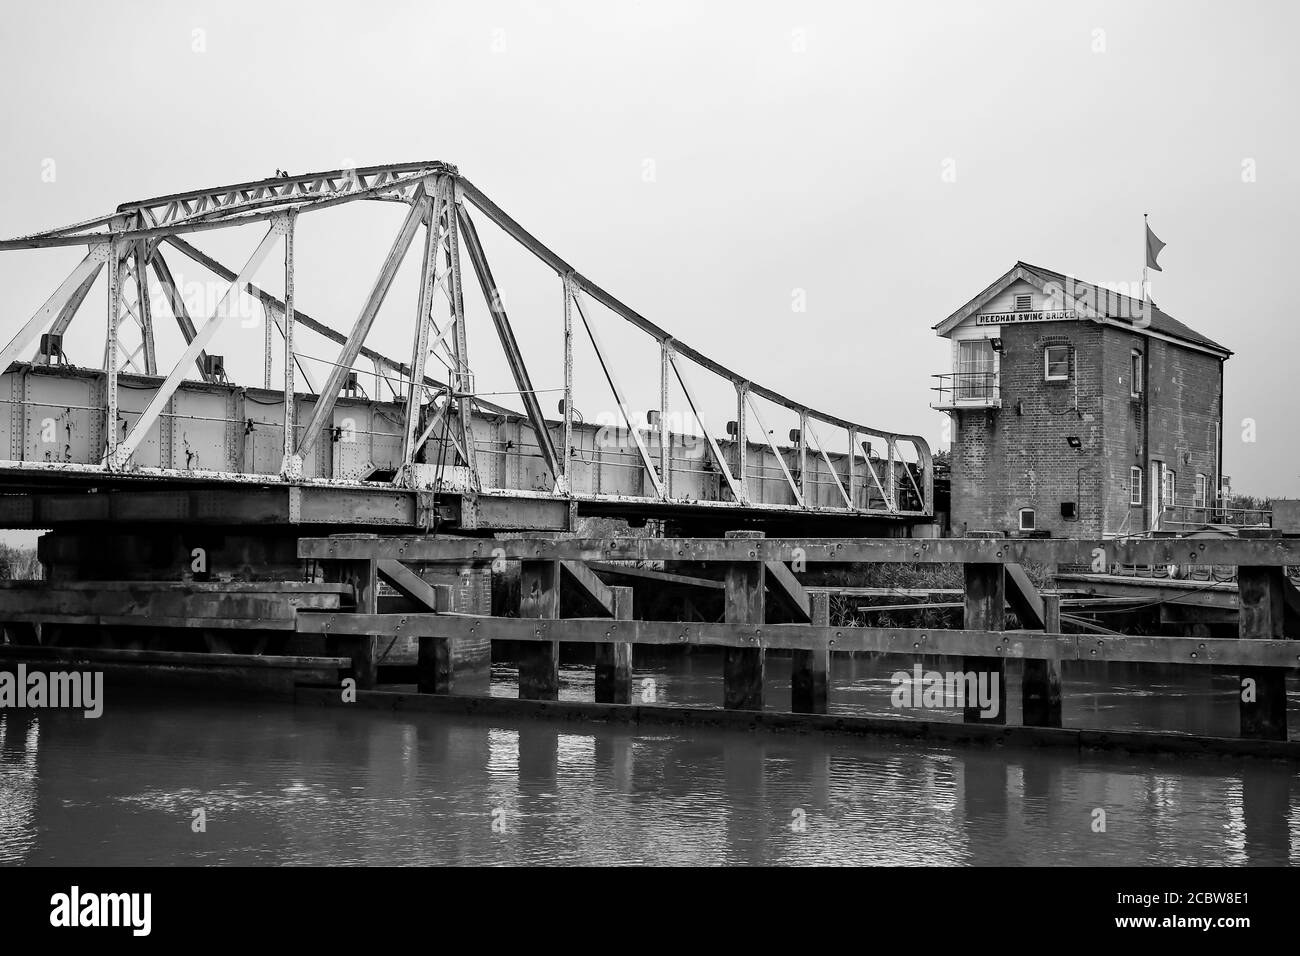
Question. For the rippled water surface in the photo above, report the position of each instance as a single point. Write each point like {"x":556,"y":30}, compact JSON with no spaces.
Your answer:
{"x":283,"y":784}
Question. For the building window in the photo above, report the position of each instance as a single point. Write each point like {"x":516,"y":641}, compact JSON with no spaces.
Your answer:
{"x":1170,"y":480}
{"x":1135,"y":485}
{"x":1202,"y":492}
{"x":1024,"y":303}
{"x":1056,"y":363}
{"x":1028,"y":520}
{"x":1135,"y":362}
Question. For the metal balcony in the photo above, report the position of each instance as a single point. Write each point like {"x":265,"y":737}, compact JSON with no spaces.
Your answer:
{"x":957,"y":390}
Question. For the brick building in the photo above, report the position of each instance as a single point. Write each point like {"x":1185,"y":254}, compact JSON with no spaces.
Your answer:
{"x":1077,"y":411}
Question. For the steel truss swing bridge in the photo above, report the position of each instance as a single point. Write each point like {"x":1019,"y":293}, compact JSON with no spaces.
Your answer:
{"x":165,"y":443}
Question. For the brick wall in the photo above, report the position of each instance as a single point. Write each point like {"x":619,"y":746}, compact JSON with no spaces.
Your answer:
{"x":1018,"y":456}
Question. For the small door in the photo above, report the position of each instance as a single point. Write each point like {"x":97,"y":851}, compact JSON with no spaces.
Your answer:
{"x":974,"y":373}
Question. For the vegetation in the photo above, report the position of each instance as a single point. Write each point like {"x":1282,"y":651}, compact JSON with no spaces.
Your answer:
{"x":19,"y":564}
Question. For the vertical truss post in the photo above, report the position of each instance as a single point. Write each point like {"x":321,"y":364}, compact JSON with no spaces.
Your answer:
{"x":665,"y":432}
{"x":463,"y":380}
{"x":290,"y":464}
{"x":803,"y":457}
{"x":567,"y":455}
{"x":891,"y":485}
{"x":742,"y":451}
{"x":146,"y":310}
{"x":423,"y":316}
{"x":110,"y":349}
{"x":853,"y":465}
{"x":267,"y":321}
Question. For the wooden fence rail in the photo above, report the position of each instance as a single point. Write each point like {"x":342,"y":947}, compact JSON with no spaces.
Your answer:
{"x":759,"y":576}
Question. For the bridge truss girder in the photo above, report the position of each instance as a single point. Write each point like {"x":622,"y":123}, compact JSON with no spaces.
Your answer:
{"x":130,"y":242}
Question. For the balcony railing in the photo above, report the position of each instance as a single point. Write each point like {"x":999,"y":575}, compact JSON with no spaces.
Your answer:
{"x":966,"y":390}
{"x":1183,"y":517}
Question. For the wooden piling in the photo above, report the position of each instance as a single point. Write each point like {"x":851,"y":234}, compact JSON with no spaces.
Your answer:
{"x":436,"y":658}
{"x":363,"y":577}
{"x":810,"y":670}
{"x":1041,"y":687}
{"x":986,"y":596}
{"x":539,"y":661}
{"x":743,"y":668}
{"x":614,"y":659}
{"x":1262,"y":604}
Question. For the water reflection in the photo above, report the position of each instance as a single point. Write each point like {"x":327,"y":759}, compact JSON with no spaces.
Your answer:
{"x":303,"y":785}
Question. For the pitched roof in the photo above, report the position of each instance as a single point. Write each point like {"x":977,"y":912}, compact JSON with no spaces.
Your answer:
{"x":1118,"y":307}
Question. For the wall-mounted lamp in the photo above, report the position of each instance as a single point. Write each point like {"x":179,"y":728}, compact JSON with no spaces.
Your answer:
{"x":997,"y":344}
{"x":1074,"y":441}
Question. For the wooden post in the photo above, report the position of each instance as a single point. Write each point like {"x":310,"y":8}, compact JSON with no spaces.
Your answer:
{"x":614,"y":659}
{"x":1261,"y":601}
{"x":539,"y":661}
{"x":986,"y":610}
{"x":1041,"y":688}
{"x":436,"y":658}
{"x":743,"y":667}
{"x":810,"y":670}
{"x":363,"y":576}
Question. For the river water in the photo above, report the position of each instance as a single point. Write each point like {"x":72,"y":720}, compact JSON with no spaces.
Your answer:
{"x":278,"y":784}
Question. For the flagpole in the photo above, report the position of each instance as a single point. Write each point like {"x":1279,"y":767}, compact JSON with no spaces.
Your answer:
{"x":1145,"y":278}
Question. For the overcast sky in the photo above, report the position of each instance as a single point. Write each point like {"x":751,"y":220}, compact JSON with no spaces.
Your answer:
{"x":714,"y":165}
